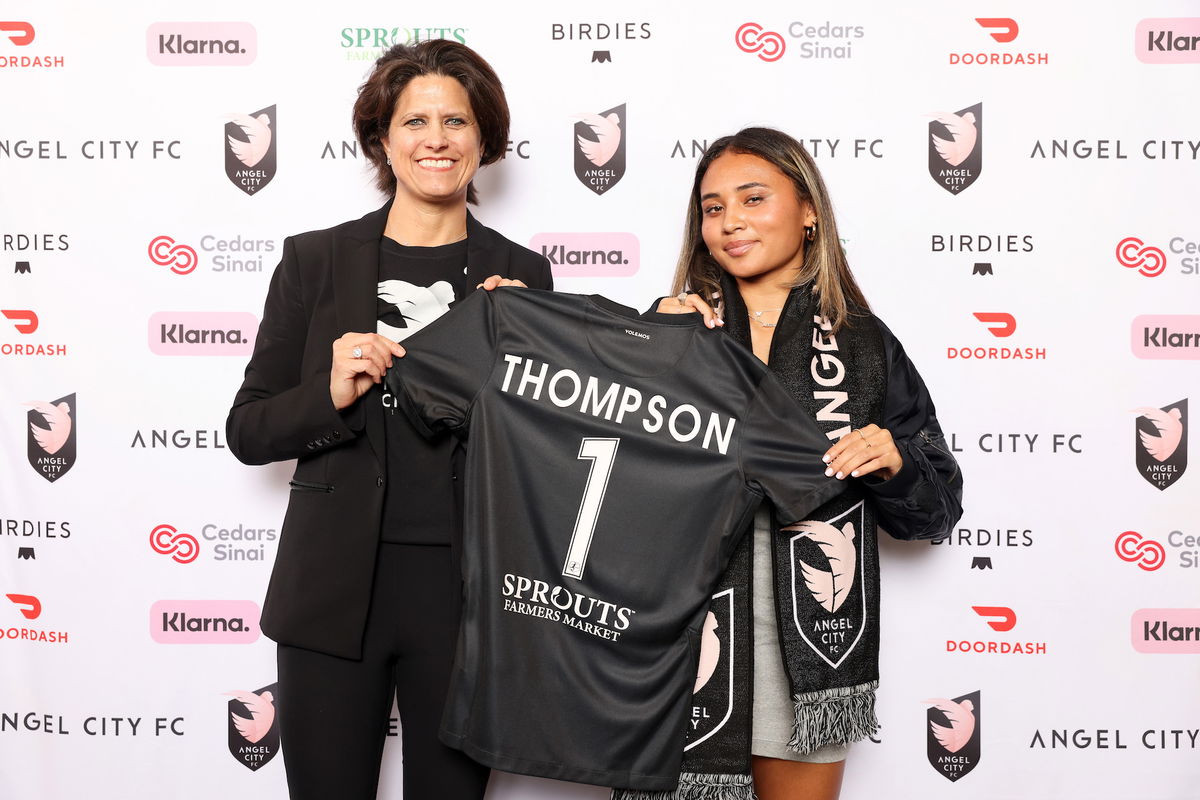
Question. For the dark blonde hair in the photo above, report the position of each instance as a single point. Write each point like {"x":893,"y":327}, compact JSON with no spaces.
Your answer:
{"x":824,"y":260}
{"x":392,"y":73}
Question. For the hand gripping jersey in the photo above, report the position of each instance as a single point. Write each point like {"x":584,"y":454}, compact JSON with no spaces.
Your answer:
{"x":611,"y":461}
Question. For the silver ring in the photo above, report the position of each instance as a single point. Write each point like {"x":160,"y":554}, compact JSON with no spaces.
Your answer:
{"x":356,"y":352}
{"x":682,"y":298}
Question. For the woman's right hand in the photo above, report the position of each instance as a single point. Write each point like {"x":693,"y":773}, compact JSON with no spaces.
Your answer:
{"x":687,"y":303}
{"x":351,"y":375}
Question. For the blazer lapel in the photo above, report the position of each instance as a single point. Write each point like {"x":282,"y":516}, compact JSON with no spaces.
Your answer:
{"x":484,"y":255}
{"x":355,"y":260}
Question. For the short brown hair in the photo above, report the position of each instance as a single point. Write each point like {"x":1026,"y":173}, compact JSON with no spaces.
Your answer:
{"x":378,"y":95}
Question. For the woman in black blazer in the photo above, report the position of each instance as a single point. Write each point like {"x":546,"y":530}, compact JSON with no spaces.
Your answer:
{"x":364,"y":599}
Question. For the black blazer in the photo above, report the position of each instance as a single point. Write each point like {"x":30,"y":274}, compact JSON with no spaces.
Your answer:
{"x":325,"y":286}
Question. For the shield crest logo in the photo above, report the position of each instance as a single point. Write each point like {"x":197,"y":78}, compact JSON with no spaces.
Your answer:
{"x":250,"y":145}
{"x":712,"y":698}
{"x":829,"y":604}
{"x":52,"y":432}
{"x":253,"y":726}
{"x":1160,"y":443}
{"x":952,"y":733}
{"x":956,"y":147}
{"x":599,"y":144}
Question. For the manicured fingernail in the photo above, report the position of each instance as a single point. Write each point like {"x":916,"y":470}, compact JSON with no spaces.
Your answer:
{"x":826,"y":459}
{"x":710,"y":324}
{"x":840,"y":476}
{"x":828,"y":473}
{"x":854,"y":474}
{"x":720,"y":321}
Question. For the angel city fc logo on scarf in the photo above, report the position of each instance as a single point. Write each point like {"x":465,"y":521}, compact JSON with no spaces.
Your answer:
{"x":829,"y":605}
{"x":712,"y":697}
{"x":956,"y":147}
{"x":253,"y":726}
{"x":52,"y":435}
{"x":952,"y":734}
{"x":250,"y":147}
{"x":600,"y":148}
{"x":1160,"y":445}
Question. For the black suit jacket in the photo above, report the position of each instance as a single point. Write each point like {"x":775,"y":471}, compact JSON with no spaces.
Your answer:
{"x":325,"y":286}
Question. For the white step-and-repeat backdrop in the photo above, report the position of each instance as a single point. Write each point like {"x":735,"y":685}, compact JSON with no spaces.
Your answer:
{"x":1046,"y":285}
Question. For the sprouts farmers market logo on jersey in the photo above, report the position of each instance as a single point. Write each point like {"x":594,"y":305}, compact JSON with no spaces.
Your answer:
{"x":589,"y":255}
{"x":956,"y":147}
{"x":204,"y":622}
{"x":1168,"y":40}
{"x":368,"y":44}
{"x":202,"y":333}
{"x":201,"y":44}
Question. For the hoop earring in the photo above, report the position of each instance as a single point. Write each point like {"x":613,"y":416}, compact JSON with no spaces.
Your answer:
{"x":389,"y":160}
{"x":810,"y":232}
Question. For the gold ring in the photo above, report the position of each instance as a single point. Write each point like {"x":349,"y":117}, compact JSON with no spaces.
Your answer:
{"x":863,"y":436}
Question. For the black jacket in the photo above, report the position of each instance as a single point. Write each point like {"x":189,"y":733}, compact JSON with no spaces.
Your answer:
{"x":325,"y":286}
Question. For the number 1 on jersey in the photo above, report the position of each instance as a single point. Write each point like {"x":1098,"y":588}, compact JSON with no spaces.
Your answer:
{"x":602,"y":453}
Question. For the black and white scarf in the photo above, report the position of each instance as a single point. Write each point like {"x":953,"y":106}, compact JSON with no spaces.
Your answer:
{"x":826,"y":572}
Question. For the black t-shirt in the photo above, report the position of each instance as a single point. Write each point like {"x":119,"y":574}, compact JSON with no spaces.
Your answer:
{"x":416,"y":286}
{"x":612,"y":461}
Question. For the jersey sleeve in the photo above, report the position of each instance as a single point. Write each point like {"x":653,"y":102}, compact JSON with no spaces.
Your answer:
{"x":781,"y":454}
{"x":446,"y":364}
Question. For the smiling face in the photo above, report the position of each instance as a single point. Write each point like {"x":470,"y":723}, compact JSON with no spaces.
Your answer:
{"x":433,"y":141}
{"x":751,"y":219}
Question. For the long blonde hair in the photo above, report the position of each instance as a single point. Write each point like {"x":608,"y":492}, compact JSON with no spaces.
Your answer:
{"x":824,"y":260}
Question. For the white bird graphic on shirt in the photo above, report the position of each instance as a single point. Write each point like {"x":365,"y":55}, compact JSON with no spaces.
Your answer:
{"x":258,"y":130}
{"x":58,"y":418}
{"x":1169,"y":424}
{"x":962,"y":723}
{"x":608,"y":132}
{"x":262,"y":715}
{"x":964,"y":135}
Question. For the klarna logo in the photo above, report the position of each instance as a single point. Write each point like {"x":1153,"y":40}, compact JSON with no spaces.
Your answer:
{"x":201,"y":44}
{"x":202,"y":333}
{"x":589,"y":255}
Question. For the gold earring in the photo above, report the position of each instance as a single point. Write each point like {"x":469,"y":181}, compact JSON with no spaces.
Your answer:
{"x":810,"y":232}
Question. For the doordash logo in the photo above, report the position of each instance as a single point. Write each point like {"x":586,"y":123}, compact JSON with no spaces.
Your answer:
{"x":23,"y":319}
{"x":999,"y":323}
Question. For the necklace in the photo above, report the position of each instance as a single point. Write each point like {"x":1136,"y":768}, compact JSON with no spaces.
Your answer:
{"x":757,"y":316}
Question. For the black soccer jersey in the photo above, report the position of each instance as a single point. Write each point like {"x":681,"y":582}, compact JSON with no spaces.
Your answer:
{"x":611,"y":461}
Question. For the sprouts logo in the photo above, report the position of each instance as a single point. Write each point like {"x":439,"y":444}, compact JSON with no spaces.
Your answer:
{"x":1160,"y":443}
{"x":52,"y":428}
{"x":15,"y":35}
{"x":589,"y":255}
{"x":1003,"y":30}
{"x":201,"y":44}
{"x":368,"y":44}
{"x":956,"y":147}
{"x":952,"y":735}
{"x":253,"y":726}
{"x":1168,"y":40}
{"x":250,"y":146}
{"x":600,"y":148}
{"x":1001,"y":619}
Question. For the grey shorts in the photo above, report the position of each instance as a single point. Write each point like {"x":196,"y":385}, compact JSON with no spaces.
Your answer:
{"x":773,"y":716}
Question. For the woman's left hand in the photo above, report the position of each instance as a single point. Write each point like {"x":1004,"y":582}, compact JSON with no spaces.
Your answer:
{"x":863,"y":451}
{"x":494,"y":281}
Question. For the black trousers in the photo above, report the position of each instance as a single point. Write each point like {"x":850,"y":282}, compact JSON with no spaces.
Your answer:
{"x":333,"y":712}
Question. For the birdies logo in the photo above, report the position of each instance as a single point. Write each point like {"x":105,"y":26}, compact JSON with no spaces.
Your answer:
{"x":52,"y":436}
{"x":1160,"y":446}
{"x":250,"y":147}
{"x":600,"y":148}
{"x":253,"y":726}
{"x":956,"y":147}
{"x":952,"y":735}
{"x":829,"y":601}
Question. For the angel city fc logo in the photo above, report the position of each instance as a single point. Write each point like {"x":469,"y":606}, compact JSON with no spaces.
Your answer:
{"x":829,"y":606}
{"x":250,"y":147}
{"x":600,"y":148}
{"x":712,"y":697}
{"x":956,"y":147}
{"x":52,"y":428}
{"x":404,"y":308}
{"x":1160,"y":446}
{"x":952,"y":735}
{"x":253,"y":726}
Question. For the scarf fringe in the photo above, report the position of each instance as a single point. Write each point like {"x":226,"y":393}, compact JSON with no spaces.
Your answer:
{"x":697,"y":786}
{"x":834,"y":716}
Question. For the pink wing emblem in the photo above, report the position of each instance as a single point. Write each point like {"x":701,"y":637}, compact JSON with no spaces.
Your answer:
{"x":963,"y":132}
{"x":830,"y":587}
{"x":710,"y":652}
{"x":1169,"y":425}
{"x":262,"y":715}
{"x":962,"y":723}
{"x":607,"y":130}
{"x":258,"y":130}
{"x":59,"y":419}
